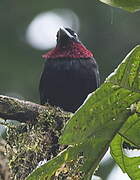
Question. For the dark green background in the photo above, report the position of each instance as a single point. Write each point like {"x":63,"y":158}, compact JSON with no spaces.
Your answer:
{"x":108,"y":32}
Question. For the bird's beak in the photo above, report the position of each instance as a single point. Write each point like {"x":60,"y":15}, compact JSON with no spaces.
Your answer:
{"x":63,"y":33}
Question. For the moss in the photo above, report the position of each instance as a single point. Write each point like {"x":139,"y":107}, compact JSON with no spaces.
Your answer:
{"x":28,"y":144}
{"x":4,"y":169}
{"x":71,"y":170}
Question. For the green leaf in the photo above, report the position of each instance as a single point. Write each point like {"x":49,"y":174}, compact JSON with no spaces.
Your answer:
{"x":129,"y":5}
{"x":128,"y":73}
{"x":131,"y":130}
{"x":87,"y":150}
{"x":109,"y":106}
{"x":49,"y":168}
{"x":129,"y":165}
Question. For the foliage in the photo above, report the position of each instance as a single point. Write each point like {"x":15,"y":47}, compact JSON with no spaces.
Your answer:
{"x":111,"y":109}
{"x":129,"y":5}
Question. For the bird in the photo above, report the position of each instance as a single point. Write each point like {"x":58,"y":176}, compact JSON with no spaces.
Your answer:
{"x":70,"y":73}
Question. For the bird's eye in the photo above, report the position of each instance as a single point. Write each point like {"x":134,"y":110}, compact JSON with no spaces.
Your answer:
{"x":75,"y":35}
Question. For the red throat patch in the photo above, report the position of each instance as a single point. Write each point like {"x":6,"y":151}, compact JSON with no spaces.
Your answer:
{"x":71,"y":50}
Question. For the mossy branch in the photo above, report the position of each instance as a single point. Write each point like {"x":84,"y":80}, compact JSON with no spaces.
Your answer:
{"x":36,"y":138}
{"x":23,"y":111}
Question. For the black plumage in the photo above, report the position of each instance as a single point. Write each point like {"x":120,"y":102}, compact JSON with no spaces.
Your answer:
{"x":66,"y":81}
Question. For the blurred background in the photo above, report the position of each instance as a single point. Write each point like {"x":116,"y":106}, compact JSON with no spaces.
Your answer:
{"x":28,"y":30}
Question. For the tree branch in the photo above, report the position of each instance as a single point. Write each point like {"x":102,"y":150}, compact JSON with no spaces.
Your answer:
{"x":35,"y":140}
{"x":20,"y":110}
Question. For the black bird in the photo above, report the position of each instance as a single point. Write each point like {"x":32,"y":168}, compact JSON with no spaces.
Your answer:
{"x":70,"y":73}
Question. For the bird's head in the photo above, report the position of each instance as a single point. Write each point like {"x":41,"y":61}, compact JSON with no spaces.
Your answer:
{"x":68,"y":46}
{"x":65,"y":35}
